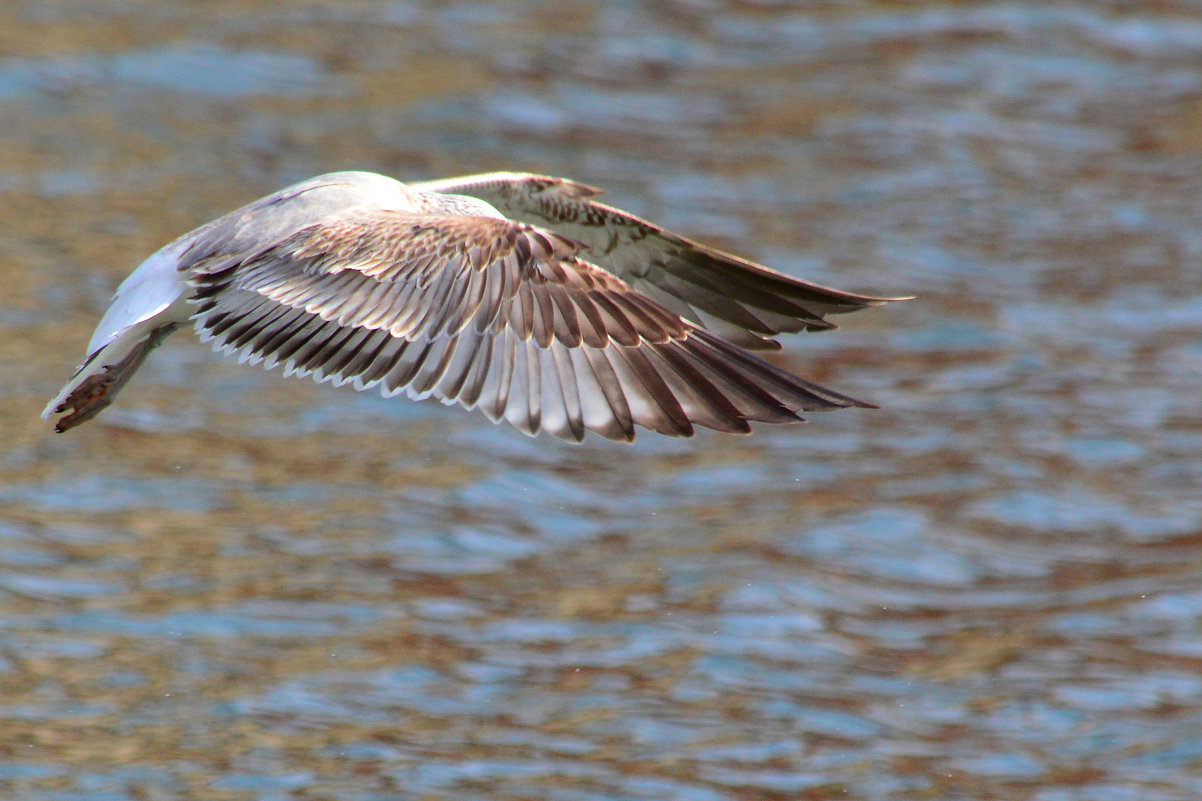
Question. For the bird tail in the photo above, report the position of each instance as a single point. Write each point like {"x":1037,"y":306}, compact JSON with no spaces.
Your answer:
{"x":99,"y":379}
{"x":149,"y":305}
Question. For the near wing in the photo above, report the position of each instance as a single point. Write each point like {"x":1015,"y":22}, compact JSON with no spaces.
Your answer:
{"x":742,"y":301}
{"x":490,"y":314}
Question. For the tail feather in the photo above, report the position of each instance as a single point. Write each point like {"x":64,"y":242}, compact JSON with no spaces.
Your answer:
{"x":96,"y":384}
{"x":149,"y":305}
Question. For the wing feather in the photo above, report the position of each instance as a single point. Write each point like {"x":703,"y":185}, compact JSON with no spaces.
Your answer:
{"x":602,"y":401}
{"x":495,"y":315}
{"x":745,"y":301}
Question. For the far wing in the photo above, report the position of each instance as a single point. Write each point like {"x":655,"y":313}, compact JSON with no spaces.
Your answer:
{"x":740,"y":300}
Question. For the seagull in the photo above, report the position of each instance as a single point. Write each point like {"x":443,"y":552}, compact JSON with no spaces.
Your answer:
{"x":516,"y":294}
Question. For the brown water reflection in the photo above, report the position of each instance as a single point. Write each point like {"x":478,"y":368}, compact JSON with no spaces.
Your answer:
{"x":235,"y":586}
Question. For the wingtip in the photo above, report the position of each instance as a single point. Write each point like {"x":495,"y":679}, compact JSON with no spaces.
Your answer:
{"x":577,"y":190}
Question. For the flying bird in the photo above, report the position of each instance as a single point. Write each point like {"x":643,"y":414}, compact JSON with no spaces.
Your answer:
{"x":519,"y":295}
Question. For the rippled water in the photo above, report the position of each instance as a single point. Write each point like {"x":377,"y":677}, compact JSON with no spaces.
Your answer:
{"x":236,"y":587}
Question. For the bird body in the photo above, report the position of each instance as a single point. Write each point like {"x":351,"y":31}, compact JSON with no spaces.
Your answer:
{"x":516,"y":294}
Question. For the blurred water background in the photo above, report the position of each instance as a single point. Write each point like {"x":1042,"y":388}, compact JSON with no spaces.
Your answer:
{"x":232,"y":586}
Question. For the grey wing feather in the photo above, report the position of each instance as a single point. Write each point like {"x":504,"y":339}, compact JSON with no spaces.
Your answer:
{"x":744,"y":302}
{"x":490,"y":314}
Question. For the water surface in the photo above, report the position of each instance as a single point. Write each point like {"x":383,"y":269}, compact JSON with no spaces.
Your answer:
{"x":233,"y":586}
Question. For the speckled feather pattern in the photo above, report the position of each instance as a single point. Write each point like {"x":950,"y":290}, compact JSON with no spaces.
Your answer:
{"x":543,"y":323}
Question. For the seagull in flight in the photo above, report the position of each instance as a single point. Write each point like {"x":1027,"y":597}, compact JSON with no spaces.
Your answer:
{"x":518,"y":295}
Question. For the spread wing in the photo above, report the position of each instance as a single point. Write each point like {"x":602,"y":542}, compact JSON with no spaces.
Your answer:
{"x":744,"y":302}
{"x":487,"y":313}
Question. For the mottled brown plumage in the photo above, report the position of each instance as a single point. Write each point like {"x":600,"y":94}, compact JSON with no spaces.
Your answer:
{"x":353,"y":277}
{"x":744,"y":302}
